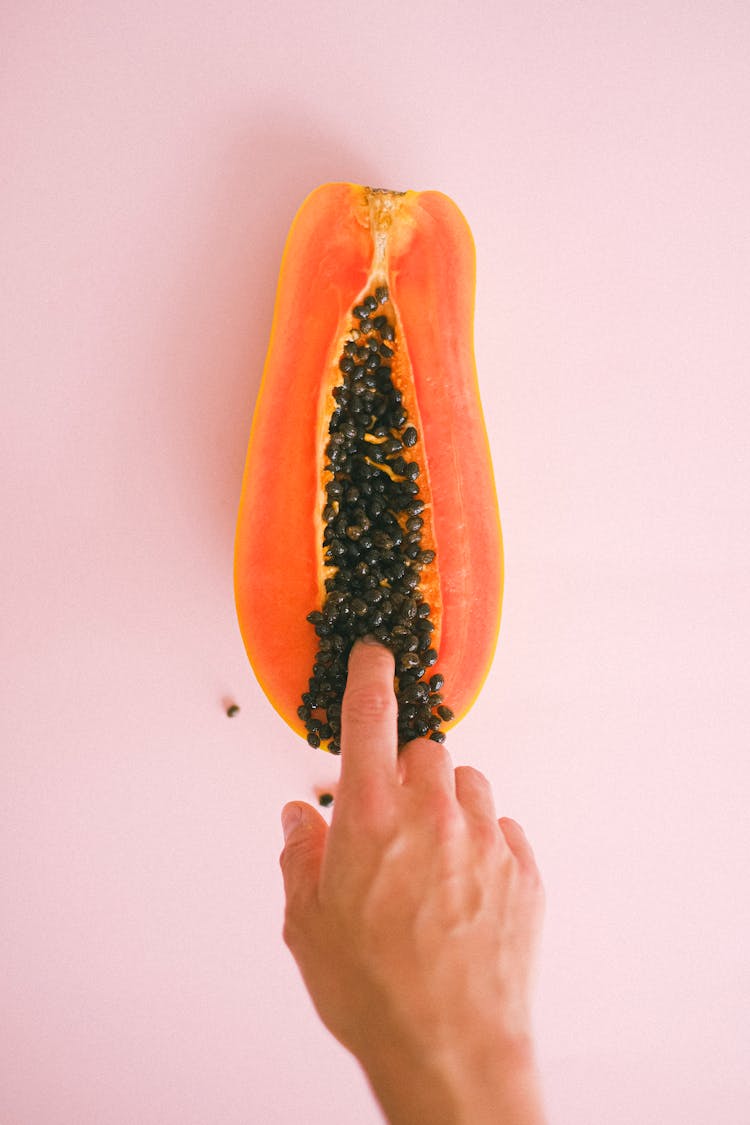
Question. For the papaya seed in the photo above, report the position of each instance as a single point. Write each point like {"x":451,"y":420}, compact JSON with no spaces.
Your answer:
{"x":372,"y":536}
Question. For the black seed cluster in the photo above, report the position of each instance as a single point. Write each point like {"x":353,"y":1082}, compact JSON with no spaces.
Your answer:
{"x":373,"y":541}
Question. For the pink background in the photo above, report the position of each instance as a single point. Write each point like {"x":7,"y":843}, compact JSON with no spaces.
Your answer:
{"x":152,"y":159}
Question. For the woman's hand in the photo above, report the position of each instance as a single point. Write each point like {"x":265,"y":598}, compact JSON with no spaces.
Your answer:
{"x":415,"y":920}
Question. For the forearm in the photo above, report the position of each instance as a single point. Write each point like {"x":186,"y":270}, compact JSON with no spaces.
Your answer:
{"x":485,"y":1084}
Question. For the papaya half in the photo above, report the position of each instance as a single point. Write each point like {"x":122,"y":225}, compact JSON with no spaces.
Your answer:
{"x":368,"y":501}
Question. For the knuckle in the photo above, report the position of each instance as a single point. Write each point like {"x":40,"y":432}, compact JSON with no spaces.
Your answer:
{"x":487,"y":837}
{"x":423,"y":754}
{"x":372,"y":816}
{"x":297,"y":924}
{"x":369,"y":703}
{"x":288,"y":927}
{"x":530,"y":876}
{"x":287,"y":857}
{"x":446,"y":816}
{"x":537,"y":884}
{"x":369,"y":807}
{"x":472,"y":775}
{"x":290,"y":933}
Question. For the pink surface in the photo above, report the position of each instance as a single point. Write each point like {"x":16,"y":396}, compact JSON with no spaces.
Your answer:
{"x":152,"y":158}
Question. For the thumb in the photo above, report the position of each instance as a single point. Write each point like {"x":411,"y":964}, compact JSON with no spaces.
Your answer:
{"x":305,"y":833}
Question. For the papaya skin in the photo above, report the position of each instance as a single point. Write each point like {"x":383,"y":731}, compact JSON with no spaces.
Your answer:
{"x":344,"y":241}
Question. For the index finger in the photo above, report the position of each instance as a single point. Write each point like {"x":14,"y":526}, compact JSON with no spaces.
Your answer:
{"x":369,"y":716}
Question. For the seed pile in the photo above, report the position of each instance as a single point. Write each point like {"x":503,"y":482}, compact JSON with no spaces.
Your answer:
{"x":372,"y":541}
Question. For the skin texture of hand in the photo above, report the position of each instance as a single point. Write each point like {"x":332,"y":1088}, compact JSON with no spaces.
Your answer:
{"x":415,"y":920}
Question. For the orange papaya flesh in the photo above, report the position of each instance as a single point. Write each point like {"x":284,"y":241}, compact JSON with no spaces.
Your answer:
{"x":368,"y":502}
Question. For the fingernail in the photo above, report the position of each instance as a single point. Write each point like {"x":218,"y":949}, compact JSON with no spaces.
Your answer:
{"x":291,"y":815}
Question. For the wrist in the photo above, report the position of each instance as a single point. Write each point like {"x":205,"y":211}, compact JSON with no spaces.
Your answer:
{"x":474,"y":1082}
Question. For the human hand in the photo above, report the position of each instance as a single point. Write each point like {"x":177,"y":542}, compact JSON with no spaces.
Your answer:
{"x":415,"y":920}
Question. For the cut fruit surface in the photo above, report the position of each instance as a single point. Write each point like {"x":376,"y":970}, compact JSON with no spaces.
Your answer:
{"x":368,"y":501}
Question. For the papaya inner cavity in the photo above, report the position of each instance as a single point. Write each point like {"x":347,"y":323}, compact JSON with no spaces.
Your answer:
{"x":378,"y":549}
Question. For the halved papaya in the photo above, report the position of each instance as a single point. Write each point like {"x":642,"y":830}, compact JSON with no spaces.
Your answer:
{"x":368,"y":501}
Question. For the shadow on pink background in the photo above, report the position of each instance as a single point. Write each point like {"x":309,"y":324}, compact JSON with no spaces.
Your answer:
{"x":240,"y":210}
{"x":152,"y":162}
